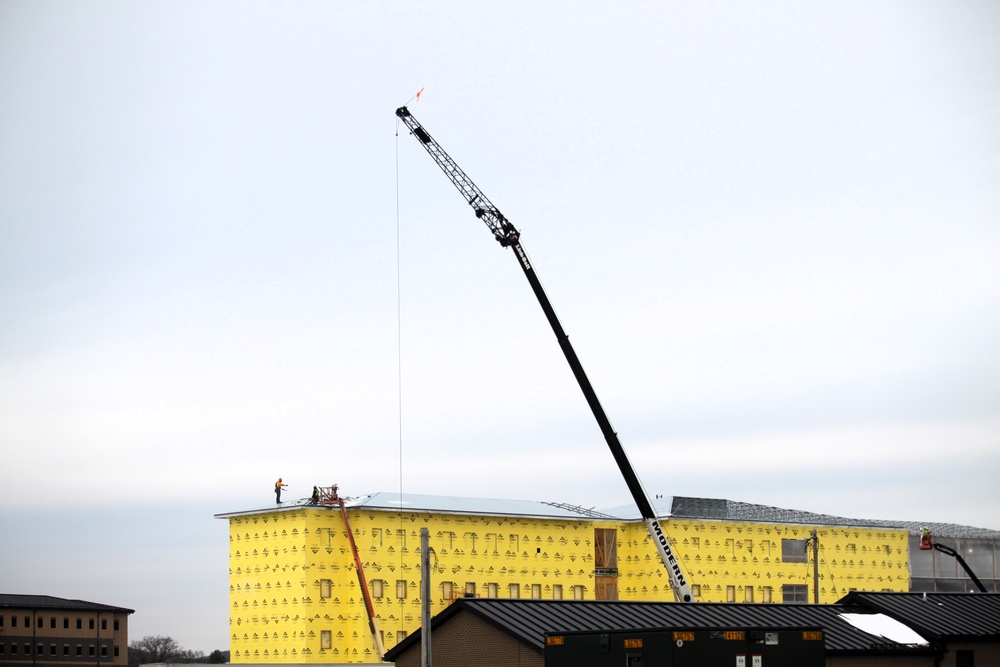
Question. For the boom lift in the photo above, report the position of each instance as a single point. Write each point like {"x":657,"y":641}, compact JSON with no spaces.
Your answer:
{"x":926,"y":544}
{"x":508,"y":237}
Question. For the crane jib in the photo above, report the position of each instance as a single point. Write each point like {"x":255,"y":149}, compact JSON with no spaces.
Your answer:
{"x":507,"y":235}
{"x":665,"y":543}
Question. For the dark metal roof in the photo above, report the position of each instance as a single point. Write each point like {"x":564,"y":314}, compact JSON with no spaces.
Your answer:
{"x":731,"y":510}
{"x":8,"y":600}
{"x":529,"y":620}
{"x":943,"y":616}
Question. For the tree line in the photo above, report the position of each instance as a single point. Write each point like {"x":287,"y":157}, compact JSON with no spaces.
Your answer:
{"x":158,"y":648}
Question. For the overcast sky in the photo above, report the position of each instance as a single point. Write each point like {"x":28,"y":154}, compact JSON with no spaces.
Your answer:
{"x":771,"y":230}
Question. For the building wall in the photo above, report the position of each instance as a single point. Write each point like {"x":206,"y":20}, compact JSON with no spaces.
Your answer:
{"x":983,"y":654}
{"x":467,"y":640}
{"x":292,"y":575}
{"x":62,"y":637}
{"x":937,"y":572}
{"x":295,"y":596}
{"x":743,"y":562}
{"x":881,"y":661}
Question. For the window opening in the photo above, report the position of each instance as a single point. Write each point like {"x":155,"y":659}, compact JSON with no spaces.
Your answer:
{"x":794,"y":551}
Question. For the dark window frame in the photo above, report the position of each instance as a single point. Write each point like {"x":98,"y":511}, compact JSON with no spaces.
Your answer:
{"x":794,"y":594}
{"x":794,"y":551}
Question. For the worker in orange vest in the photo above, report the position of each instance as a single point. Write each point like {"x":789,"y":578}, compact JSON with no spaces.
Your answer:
{"x":277,"y":490}
{"x":925,"y":540}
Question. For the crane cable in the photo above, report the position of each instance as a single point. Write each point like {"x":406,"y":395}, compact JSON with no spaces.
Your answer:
{"x":399,"y":371}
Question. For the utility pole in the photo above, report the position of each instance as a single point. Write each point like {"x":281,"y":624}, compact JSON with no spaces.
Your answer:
{"x":815,"y":544}
{"x":425,"y":598}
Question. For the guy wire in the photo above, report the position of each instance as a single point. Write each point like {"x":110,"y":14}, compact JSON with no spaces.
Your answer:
{"x":399,"y":372}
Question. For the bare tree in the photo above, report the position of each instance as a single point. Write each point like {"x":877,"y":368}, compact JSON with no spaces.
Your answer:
{"x":189,"y":657}
{"x":153,"y":649}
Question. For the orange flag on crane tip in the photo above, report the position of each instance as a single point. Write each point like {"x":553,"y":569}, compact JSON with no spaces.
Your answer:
{"x":419,"y":92}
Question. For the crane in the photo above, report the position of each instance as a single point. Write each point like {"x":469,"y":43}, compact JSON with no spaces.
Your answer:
{"x":509,"y":237}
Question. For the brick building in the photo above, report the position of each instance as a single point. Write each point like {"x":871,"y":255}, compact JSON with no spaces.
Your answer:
{"x":43,"y":630}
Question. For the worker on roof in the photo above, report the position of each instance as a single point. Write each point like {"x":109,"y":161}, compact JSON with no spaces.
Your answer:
{"x":277,"y":490}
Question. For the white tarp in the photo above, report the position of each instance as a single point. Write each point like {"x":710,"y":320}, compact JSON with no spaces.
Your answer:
{"x":887,"y":628}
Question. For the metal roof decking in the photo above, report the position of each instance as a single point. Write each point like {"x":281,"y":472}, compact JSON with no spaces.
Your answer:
{"x":952,"y":616}
{"x":8,"y":600}
{"x":679,"y":507}
{"x":529,"y":620}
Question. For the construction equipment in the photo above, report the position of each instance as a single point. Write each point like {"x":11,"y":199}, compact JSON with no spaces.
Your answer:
{"x":508,"y":237}
{"x":327,"y":495}
{"x":926,"y":544}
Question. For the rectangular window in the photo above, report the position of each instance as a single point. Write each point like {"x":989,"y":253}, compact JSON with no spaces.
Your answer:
{"x":13,"y":648}
{"x":401,"y":589}
{"x":557,"y":591}
{"x":27,"y":621}
{"x":378,"y":588}
{"x":748,"y":593}
{"x":470,"y":589}
{"x":605,"y":548}
{"x":52,"y":649}
{"x":90,"y":624}
{"x":696,"y":590}
{"x":52,"y":623}
{"x":794,"y":594}
{"x":116,"y":650}
{"x":40,"y":622}
{"x":104,"y":650}
{"x":765,"y":594}
{"x":325,"y":639}
{"x":514,"y":591}
{"x":104,"y":624}
{"x":793,"y":551}
{"x":492,"y":590}
{"x":447,"y":590}
{"x":79,"y":650}
{"x":536,"y":591}
{"x":13,"y":621}
{"x":578,"y":592}
{"x":79,"y":624}
{"x":116,"y":625}
{"x":730,"y":593}
{"x":400,"y":635}
{"x":65,"y":623}
{"x":40,"y":649}
{"x":324,"y":588}
{"x":1,"y":620}
{"x":3,"y":647}
{"x":65,"y":649}
{"x":90,"y":650}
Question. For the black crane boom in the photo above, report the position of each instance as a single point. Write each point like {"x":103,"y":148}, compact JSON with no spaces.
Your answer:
{"x":508,"y":236}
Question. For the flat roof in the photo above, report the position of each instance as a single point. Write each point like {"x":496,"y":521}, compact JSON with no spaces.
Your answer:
{"x":666,"y":507}
{"x":417,"y":502}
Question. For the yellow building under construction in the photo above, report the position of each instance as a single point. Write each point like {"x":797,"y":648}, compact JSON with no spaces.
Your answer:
{"x":296,"y":595}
